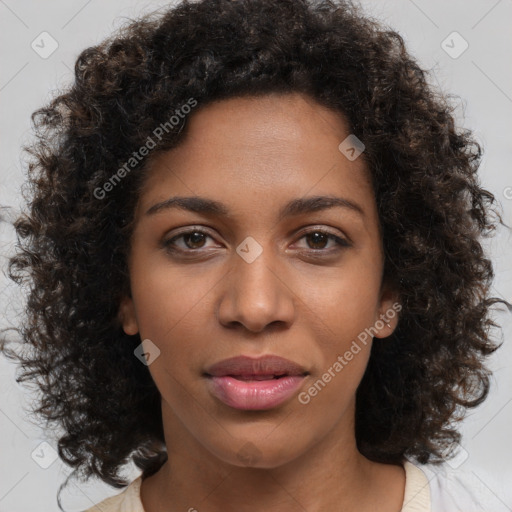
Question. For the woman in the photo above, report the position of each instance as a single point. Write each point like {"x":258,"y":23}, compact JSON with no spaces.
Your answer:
{"x":253,"y":246}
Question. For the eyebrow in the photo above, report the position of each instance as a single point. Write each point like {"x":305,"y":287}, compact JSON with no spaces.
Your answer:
{"x":295,"y":207}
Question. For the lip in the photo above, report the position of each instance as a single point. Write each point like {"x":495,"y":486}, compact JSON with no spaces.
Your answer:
{"x":247,"y":383}
{"x":247,"y":366}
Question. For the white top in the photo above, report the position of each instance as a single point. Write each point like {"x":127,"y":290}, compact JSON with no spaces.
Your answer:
{"x":463,"y":490}
{"x":428,"y":488}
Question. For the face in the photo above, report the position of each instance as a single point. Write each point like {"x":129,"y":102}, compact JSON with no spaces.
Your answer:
{"x":266,"y":270}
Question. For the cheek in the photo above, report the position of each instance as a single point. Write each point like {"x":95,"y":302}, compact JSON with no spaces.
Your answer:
{"x":341,"y":306}
{"x":344,"y":351}
{"x":166,"y":297}
{"x":344,"y":299}
{"x":174,"y":307}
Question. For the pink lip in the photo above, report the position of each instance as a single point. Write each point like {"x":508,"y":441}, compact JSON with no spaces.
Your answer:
{"x":253,"y":394}
{"x":264,"y":365}
{"x":250,"y":384}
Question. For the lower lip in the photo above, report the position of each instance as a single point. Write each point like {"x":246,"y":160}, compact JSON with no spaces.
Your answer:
{"x":256,"y":394}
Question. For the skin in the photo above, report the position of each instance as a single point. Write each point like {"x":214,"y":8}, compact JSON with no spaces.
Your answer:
{"x":254,"y":155}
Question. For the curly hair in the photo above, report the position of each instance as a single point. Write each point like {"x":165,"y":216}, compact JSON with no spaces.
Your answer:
{"x":73,"y":246}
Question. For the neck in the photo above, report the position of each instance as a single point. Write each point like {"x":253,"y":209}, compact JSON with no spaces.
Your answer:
{"x":331,"y":475}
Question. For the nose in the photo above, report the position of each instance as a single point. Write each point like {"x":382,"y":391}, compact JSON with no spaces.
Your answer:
{"x":256,"y":295}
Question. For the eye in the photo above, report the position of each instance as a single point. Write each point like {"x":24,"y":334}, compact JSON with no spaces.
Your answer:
{"x":317,"y":239}
{"x":192,"y":240}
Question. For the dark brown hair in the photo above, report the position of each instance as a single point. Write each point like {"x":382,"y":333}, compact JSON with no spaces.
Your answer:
{"x":72,"y":245}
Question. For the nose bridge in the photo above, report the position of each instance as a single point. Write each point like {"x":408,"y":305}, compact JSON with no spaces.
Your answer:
{"x":255,"y":295}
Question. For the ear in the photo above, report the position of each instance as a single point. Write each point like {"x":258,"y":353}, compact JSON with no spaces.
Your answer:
{"x":127,"y":316}
{"x":388,"y":314}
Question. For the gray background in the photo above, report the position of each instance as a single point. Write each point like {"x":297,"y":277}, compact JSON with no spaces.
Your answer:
{"x":481,"y":76}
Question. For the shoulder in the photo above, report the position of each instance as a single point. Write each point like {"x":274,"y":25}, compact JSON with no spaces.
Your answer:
{"x":461,"y":490}
{"x":126,"y":501}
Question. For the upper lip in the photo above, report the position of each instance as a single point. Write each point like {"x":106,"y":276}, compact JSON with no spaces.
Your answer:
{"x":265,"y":365}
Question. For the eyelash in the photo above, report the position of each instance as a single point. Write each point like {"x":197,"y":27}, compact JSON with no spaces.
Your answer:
{"x":169,"y":244}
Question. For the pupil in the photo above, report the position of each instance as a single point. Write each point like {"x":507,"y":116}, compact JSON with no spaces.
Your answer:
{"x":195,"y":237}
{"x":317,"y":238}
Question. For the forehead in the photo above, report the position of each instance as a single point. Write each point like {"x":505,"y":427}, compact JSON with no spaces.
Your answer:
{"x":264,"y":148}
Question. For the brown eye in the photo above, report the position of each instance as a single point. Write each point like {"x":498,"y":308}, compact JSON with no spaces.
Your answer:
{"x":317,"y":240}
{"x":192,"y":240}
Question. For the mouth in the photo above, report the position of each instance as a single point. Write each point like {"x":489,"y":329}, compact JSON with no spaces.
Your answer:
{"x":245,"y":383}
{"x":261,"y":368}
